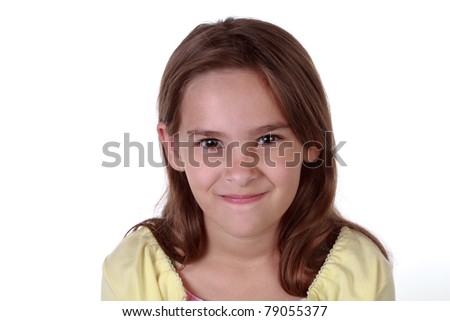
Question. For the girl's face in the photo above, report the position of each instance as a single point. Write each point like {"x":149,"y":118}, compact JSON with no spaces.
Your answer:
{"x":240,"y":157}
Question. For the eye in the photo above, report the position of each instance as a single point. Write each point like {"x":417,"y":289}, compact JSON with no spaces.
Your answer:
{"x":210,"y":144}
{"x":268,"y":139}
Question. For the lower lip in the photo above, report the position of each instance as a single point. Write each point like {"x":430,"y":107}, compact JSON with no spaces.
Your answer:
{"x":243,"y":200}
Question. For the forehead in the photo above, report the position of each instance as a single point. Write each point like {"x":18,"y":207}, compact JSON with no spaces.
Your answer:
{"x":222,"y":74}
{"x":229,"y":99}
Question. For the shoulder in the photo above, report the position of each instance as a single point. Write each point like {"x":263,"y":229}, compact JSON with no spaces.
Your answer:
{"x":355,"y":269}
{"x":138,"y":269}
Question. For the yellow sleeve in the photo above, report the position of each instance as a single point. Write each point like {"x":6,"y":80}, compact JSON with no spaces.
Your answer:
{"x":387,"y":291}
{"x":355,"y":270}
{"x":139,"y":270}
{"x":108,"y":293}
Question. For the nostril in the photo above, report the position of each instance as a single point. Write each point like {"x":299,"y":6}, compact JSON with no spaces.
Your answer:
{"x":240,"y":175}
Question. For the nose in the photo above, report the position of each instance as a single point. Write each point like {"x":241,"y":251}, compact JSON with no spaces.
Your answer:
{"x":241,"y":165}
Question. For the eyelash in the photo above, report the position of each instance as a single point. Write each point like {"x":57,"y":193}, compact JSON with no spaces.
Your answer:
{"x":202,"y":143}
{"x":272,"y":139}
{"x":266,"y":140}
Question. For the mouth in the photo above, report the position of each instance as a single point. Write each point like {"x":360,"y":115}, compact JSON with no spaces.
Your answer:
{"x":242,"y":199}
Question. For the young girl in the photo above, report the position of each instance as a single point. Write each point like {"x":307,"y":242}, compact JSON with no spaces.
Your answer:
{"x":249,"y":215}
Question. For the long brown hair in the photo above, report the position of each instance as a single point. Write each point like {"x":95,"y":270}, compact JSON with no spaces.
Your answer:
{"x":310,"y":226}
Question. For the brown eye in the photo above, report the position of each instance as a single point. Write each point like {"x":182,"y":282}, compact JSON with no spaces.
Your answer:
{"x":210,"y":144}
{"x":268,"y":139}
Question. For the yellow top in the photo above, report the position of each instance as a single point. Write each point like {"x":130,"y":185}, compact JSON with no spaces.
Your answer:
{"x":139,"y":270}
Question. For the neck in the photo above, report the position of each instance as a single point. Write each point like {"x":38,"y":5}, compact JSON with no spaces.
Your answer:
{"x":242,"y":252}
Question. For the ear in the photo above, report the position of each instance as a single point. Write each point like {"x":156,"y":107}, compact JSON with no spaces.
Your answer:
{"x":169,"y":149}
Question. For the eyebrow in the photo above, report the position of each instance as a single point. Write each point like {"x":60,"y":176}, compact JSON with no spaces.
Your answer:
{"x":269,"y":128}
{"x":257,"y":131}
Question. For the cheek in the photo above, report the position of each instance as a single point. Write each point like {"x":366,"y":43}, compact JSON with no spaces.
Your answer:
{"x":201,"y":182}
{"x":285,"y":170}
{"x":200,"y":177}
{"x":287,"y":177}
{"x":285,"y":158}
{"x":196,"y":157}
{"x":288,"y":184}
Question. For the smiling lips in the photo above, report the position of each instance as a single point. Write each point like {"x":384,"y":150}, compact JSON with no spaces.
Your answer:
{"x":243,"y":199}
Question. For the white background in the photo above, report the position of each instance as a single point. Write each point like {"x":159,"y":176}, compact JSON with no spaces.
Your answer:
{"x":77,"y":74}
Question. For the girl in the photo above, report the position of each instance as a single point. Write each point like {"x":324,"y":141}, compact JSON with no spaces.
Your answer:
{"x":249,"y":215}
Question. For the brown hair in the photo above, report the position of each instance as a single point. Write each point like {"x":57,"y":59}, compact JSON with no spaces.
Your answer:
{"x":310,"y":226}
